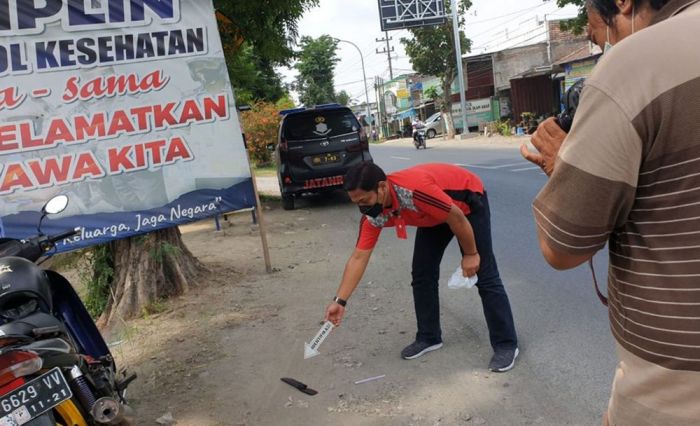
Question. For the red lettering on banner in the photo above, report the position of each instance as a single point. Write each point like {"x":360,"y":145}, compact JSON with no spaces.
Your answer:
{"x":95,"y":128}
{"x":154,"y":153}
{"x":92,"y":89}
{"x":50,"y":170}
{"x":164,"y":114}
{"x":8,"y":138}
{"x":119,"y":160}
{"x":140,"y":156}
{"x":58,"y":132}
{"x":155,"y":149}
{"x":26,"y":135}
{"x":220,"y":107}
{"x":178,"y":150}
{"x":71,"y":92}
{"x":120,"y":124}
{"x":142,"y":114}
{"x":15,"y":178}
{"x":113,"y":85}
{"x":10,"y":98}
{"x":86,"y":166}
{"x":190,"y":111}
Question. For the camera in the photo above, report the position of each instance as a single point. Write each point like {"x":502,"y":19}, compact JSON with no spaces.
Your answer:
{"x":566,"y":118}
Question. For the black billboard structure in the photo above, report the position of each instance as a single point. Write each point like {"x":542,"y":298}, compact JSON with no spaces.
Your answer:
{"x":400,"y":14}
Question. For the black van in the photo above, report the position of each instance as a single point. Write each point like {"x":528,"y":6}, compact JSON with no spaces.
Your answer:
{"x":316,"y":147}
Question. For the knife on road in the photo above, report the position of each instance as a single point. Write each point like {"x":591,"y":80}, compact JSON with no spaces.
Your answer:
{"x":299,"y":385}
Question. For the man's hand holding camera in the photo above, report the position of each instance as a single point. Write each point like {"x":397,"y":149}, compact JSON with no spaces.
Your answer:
{"x":547,"y":140}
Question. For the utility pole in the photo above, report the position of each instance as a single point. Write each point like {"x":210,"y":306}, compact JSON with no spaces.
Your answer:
{"x":382,"y":107}
{"x":549,"y":41}
{"x":460,"y":70}
{"x":377,"y":95}
{"x":388,"y":50}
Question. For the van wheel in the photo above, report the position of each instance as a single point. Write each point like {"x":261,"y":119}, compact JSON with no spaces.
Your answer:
{"x":431,"y":133}
{"x":287,"y":202}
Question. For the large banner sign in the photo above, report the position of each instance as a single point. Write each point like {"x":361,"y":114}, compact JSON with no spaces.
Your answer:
{"x":123,"y":105}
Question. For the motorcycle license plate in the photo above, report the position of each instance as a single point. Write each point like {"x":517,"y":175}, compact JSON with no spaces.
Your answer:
{"x":325,"y":159}
{"x":34,"y":398}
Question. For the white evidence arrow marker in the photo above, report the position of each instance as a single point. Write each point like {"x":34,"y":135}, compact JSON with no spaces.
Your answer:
{"x":311,"y":350}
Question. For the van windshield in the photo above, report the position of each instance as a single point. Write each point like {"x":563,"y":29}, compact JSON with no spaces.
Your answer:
{"x":320,"y":124}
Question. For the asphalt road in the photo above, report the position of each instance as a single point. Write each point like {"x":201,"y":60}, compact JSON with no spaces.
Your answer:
{"x":567,"y":361}
{"x":563,"y":328}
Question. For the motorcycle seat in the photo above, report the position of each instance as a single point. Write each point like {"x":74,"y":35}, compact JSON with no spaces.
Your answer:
{"x":32,"y":325}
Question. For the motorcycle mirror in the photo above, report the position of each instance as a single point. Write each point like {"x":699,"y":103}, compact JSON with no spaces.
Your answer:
{"x":55,"y":205}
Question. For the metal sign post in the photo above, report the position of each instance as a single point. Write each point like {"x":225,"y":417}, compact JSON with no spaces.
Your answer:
{"x":401,"y":14}
{"x":460,"y":69}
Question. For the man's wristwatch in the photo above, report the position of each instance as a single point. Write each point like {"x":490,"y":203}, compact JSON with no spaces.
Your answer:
{"x":340,"y":301}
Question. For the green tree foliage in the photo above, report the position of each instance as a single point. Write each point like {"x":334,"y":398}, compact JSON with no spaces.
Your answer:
{"x":315,"y":63}
{"x":432,"y":52}
{"x":253,"y":78}
{"x":258,"y":36}
{"x":343,"y":98}
{"x":578,"y":24}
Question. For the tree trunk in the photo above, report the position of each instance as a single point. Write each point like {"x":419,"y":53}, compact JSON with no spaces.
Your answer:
{"x":447,"y":105}
{"x":148,"y":269}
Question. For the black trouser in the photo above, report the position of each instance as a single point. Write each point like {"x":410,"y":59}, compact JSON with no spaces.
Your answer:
{"x":429,"y":249}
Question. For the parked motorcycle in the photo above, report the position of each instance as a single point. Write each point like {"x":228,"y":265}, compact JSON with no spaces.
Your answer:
{"x":55,"y":367}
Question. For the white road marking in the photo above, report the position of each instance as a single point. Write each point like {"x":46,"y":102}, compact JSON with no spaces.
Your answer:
{"x":526,"y":168}
{"x":500,"y":166}
{"x":401,"y":158}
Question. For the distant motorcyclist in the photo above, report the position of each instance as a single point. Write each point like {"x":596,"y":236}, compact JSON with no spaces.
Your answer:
{"x":416,"y":125}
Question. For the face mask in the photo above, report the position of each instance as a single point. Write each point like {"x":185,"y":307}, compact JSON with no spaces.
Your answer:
{"x":609,"y":45}
{"x":373,"y":210}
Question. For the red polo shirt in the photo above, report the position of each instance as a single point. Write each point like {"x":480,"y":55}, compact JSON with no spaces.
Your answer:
{"x":421,"y":196}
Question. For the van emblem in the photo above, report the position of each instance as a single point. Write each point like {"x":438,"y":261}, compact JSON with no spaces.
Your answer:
{"x":325,"y":143}
{"x":321,"y":127}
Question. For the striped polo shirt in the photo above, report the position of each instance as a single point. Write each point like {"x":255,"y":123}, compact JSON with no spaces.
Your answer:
{"x":628,"y":174}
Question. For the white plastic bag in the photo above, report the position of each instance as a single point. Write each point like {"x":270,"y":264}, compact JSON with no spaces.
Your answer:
{"x":460,"y":281}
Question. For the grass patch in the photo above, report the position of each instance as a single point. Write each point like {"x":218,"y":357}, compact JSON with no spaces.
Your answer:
{"x":156,"y":307}
{"x":268,"y":197}
{"x":65,"y":261}
{"x":267,"y":171}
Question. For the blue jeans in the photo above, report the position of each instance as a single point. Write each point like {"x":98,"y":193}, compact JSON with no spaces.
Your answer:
{"x":429,"y":248}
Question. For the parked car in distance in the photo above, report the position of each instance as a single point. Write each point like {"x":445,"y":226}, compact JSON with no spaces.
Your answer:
{"x":434,"y":125}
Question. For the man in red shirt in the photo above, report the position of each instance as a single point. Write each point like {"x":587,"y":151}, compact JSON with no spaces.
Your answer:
{"x":443,"y":201}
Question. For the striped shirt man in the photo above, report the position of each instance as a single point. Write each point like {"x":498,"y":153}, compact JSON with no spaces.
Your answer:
{"x":628,"y":175}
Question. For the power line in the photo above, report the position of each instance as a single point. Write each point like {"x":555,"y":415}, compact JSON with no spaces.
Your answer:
{"x":509,"y":38}
{"x":349,"y":83}
{"x":388,"y":50}
{"x":504,"y":31}
{"x":506,"y":15}
{"x":529,"y":39}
